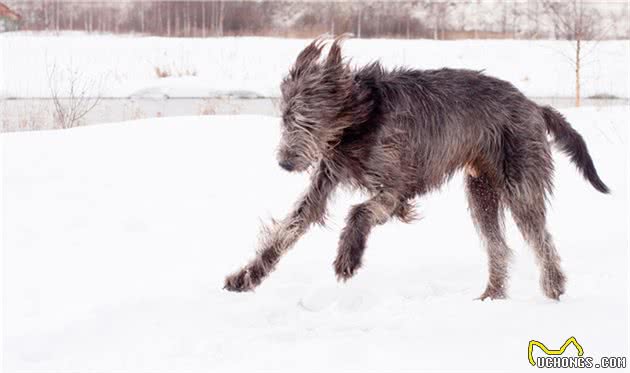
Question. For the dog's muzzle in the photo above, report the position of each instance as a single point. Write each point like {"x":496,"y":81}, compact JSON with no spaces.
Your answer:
{"x":287,"y":165}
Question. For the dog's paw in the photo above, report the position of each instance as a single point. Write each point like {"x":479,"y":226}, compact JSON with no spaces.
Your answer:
{"x":345,"y":266}
{"x":553,"y":282}
{"x":492,"y":293}
{"x":239,"y":281}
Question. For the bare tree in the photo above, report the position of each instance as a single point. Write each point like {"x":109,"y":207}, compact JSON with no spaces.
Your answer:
{"x":438,"y":14}
{"x":533,"y":15}
{"x":74,"y":100}
{"x":331,"y":16}
{"x":203,"y":19}
{"x":218,"y":15}
{"x":359,"y":21}
{"x":572,"y":20}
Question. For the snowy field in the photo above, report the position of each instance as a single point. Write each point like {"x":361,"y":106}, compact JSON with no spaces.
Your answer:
{"x":126,"y":66}
{"x":117,"y":238}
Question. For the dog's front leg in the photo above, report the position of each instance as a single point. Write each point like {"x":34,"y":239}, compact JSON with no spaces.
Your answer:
{"x":359,"y":223}
{"x":281,"y":236}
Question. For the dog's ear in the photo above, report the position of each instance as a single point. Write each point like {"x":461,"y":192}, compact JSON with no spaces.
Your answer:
{"x":307,"y":57}
{"x":338,"y":91}
{"x":334,"y":55}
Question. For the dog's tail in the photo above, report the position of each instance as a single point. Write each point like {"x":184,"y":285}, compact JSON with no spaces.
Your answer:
{"x":572,"y":144}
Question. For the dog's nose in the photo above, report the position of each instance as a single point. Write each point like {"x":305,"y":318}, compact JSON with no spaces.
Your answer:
{"x":286,"y":165}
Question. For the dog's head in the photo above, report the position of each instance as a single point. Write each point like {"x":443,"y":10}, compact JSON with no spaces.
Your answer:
{"x":315,"y":96}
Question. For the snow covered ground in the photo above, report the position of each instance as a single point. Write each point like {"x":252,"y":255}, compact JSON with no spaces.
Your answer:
{"x":117,"y":239}
{"x":124,"y":66}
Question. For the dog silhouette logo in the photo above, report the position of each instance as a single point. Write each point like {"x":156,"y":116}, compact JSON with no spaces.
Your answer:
{"x":560,"y":351}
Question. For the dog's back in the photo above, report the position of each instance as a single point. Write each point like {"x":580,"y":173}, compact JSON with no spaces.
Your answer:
{"x":443,"y":120}
{"x":446,"y":119}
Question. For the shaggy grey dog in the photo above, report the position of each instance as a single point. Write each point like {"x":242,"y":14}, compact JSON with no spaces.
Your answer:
{"x":402,"y":133}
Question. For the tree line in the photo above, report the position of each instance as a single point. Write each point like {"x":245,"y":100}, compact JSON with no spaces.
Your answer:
{"x":532,"y":19}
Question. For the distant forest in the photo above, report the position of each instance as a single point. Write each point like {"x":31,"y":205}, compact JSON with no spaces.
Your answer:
{"x":532,"y":19}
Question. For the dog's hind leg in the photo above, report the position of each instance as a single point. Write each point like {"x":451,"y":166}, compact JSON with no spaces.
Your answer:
{"x":359,"y":223}
{"x":530,"y":219}
{"x":486,"y":209}
{"x":311,"y":208}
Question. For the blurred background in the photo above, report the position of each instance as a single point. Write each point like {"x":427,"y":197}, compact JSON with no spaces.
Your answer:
{"x":440,"y":20}
{"x":121,"y":60}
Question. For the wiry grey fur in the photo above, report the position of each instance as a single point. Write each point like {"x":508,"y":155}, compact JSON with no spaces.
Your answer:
{"x":402,"y":133}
